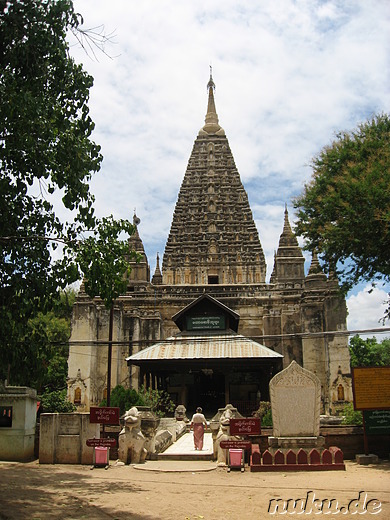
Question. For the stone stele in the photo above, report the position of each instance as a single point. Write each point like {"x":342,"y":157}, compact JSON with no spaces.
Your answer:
{"x":296,"y":401}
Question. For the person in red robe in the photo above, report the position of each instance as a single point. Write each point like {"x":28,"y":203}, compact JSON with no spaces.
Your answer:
{"x":198,"y":424}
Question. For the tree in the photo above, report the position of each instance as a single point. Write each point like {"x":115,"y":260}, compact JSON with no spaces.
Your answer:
{"x":42,"y":357}
{"x":105,"y":261}
{"x":368,"y":352}
{"x":45,"y":151}
{"x":42,"y":354}
{"x":344,"y":212}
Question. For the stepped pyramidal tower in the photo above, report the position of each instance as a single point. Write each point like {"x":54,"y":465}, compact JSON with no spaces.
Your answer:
{"x":207,"y":328}
{"x":213,"y":238}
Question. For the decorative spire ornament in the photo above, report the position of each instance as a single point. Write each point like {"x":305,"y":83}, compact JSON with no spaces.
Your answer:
{"x":212,"y":124}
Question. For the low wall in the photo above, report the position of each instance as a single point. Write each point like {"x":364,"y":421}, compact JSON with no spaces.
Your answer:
{"x":349,"y":439}
{"x":63,"y":437}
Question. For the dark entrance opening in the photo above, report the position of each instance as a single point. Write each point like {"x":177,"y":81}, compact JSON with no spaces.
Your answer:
{"x":208,"y":391}
{"x":213,"y":280}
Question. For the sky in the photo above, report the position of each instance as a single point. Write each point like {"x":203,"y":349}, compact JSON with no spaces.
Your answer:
{"x":289,"y":75}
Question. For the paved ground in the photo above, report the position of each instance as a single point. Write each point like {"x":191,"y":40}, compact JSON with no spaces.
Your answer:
{"x":186,"y":492}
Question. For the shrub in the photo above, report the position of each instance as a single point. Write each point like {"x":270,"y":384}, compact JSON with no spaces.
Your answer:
{"x":265,"y":413}
{"x":56,"y":402}
{"x":351,"y":416}
{"x":159,"y":401}
{"x":124,"y":398}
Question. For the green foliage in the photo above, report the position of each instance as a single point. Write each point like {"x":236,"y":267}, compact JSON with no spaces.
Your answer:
{"x":40,"y":361}
{"x":265,"y":413}
{"x":46,"y":348}
{"x":368,"y":352}
{"x":159,"y":401}
{"x":46,"y":155}
{"x":351,"y":416}
{"x":63,"y":306}
{"x":124,"y":398}
{"x":267,"y":419}
{"x":104,"y":259}
{"x":45,"y":147}
{"x":56,"y":402}
{"x":344,"y":212}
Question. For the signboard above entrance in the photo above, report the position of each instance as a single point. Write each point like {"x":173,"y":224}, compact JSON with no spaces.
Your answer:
{"x":205,"y":322}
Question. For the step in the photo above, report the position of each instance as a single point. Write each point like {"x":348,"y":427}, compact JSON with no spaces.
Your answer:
{"x":183,"y":449}
{"x":185,"y":456}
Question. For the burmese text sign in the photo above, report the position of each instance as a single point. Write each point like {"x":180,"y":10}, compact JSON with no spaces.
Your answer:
{"x":245,"y":426}
{"x":104,"y":415}
{"x":377,"y":422}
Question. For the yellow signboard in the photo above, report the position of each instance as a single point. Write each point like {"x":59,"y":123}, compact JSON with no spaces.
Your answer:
{"x":371,"y":388}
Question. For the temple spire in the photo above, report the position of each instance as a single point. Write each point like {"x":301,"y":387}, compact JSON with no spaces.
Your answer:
{"x":140,"y":270}
{"x":289,"y":260}
{"x":157,"y":277}
{"x":211,"y":83}
{"x":211,"y":115}
{"x":286,"y":226}
{"x":287,"y":237}
{"x":315,"y":266}
{"x":315,"y":277}
{"x":212,"y":124}
{"x":213,"y":237}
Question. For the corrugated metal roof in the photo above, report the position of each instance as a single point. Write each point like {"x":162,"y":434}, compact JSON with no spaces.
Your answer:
{"x":204,"y":347}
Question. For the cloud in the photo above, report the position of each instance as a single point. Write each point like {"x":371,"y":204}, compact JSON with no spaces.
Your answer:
{"x":366,"y":308}
{"x":288,"y":76}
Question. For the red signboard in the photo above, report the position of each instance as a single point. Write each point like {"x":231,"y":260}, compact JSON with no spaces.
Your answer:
{"x":104,"y":414}
{"x":245,"y":426}
{"x":238,"y":445}
{"x":105,"y":443}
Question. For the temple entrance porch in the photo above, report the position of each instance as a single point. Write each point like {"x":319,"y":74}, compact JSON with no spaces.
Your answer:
{"x":212,"y":385}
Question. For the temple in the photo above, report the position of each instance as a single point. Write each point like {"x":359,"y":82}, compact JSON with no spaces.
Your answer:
{"x":207,"y":327}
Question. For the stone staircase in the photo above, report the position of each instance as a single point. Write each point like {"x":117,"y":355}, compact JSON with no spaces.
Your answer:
{"x":183,"y":449}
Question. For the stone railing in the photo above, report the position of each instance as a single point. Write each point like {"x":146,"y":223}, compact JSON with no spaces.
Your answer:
{"x":314,"y":460}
